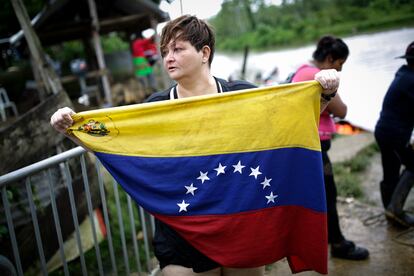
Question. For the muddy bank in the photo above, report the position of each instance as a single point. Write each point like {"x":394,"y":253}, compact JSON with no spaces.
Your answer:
{"x":391,"y":249}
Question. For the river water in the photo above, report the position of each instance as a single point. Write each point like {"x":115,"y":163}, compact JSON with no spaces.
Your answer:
{"x":366,"y":75}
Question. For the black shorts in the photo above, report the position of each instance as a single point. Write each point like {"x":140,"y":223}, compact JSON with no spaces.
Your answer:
{"x":171,"y":248}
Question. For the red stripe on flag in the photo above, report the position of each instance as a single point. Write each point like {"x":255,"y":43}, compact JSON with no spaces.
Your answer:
{"x":260,"y":237}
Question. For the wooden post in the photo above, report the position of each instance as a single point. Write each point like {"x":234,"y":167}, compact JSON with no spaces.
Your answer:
{"x":98,"y":50}
{"x":38,"y":79}
{"x":243,"y":70}
{"x":50,"y":81}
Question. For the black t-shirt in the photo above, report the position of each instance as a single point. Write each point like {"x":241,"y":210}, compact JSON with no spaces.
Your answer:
{"x":169,"y":246}
{"x":226,"y":86}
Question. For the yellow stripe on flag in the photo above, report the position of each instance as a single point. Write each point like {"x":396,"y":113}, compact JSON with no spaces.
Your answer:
{"x":240,"y":121}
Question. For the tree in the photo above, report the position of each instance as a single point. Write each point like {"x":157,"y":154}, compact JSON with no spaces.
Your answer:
{"x":261,"y":25}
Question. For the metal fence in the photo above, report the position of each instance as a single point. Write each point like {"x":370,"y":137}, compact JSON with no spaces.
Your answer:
{"x":122,"y":247}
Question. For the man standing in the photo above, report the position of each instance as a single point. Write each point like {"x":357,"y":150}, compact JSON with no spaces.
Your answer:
{"x":393,"y":132}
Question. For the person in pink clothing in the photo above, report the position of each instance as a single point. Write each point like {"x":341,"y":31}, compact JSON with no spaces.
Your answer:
{"x":331,"y":53}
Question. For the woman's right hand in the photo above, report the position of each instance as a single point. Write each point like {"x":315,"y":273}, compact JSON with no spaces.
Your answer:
{"x":61,"y":119}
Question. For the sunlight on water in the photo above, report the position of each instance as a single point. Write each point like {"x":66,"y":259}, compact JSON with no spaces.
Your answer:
{"x":365,"y":77}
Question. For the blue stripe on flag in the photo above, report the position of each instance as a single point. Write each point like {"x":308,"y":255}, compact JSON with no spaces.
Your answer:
{"x":210,"y":185}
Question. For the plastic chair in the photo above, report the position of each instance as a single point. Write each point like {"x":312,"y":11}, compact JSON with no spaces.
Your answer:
{"x":6,"y":267}
{"x":6,"y":103}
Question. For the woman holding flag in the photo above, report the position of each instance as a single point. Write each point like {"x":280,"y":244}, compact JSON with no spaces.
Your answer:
{"x":187,"y":49}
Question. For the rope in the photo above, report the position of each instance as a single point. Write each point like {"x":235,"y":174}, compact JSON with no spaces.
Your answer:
{"x":409,"y":241}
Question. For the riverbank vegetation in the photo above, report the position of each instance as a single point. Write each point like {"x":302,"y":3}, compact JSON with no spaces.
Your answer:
{"x":259,"y":25}
{"x":348,"y":174}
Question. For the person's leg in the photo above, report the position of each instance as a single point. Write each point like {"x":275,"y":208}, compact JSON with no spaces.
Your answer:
{"x":340,"y":247}
{"x":406,"y":182}
{"x":395,"y":210}
{"x":334,"y":230}
{"x":176,"y":256}
{"x":178,"y":270}
{"x":391,"y":166}
{"x":256,"y":271}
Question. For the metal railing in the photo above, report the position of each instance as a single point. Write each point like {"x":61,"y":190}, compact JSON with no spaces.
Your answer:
{"x":120,"y":218}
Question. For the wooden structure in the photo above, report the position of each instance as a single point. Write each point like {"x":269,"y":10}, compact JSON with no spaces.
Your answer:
{"x":65,"y":20}
{"x":86,"y":20}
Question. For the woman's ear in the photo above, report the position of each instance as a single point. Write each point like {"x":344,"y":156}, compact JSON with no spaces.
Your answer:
{"x":206,"y":53}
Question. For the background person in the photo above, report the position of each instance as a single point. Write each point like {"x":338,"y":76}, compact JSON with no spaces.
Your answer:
{"x":392,"y":133}
{"x":144,"y":52}
{"x":331,"y":53}
{"x":187,"y":49}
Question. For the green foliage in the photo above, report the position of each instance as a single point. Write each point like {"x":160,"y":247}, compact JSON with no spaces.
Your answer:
{"x":347,"y":182}
{"x":347,"y":174}
{"x":66,"y":51}
{"x":70,"y":50}
{"x":113,"y":43}
{"x":262,"y":26}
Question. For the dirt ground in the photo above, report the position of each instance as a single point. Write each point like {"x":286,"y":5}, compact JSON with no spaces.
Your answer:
{"x":391,"y":248}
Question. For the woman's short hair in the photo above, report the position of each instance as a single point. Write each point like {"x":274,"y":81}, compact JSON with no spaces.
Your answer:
{"x":330,"y":46}
{"x":188,"y":28}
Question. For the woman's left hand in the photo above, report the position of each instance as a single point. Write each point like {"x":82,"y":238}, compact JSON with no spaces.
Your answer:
{"x":329,"y":80}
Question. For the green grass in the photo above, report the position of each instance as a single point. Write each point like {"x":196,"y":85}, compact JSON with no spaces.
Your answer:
{"x":348,"y":174}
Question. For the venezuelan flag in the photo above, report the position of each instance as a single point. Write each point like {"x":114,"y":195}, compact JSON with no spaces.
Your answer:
{"x":238,"y":175}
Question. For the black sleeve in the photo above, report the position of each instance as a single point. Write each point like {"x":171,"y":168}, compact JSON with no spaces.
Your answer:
{"x":240,"y":85}
{"x":235,"y":85}
{"x":158,"y":96}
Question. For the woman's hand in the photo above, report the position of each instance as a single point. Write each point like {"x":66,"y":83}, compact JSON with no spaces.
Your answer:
{"x":61,"y":119}
{"x":329,"y":80}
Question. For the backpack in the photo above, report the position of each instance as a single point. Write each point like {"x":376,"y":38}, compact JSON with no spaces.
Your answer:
{"x":289,"y":78}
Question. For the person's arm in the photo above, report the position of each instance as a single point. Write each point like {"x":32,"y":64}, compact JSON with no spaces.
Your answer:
{"x":337,"y":107}
{"x":329,"y":80}
{"x":61,"y":120}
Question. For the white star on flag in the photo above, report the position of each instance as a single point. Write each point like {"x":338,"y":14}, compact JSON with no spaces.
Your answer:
{"x":203,"y":177}
{"x":190,"y":189}
{"x":238,"y":167}
{"x":271,"y":198}
{"x":255,"y":172}
{"x":220,"y":169}
{"x":266,"y":182}
{"x":183,"y":206}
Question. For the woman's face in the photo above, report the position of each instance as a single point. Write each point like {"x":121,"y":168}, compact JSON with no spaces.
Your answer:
{"x":182,"y":60}
{"x":337,"y":64}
